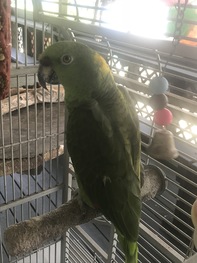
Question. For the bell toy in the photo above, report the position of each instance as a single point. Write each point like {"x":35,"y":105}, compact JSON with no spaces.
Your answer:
{"x":162,"y":145}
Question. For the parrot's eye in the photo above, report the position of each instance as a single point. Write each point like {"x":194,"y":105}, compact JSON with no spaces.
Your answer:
{"x":66,"y":59}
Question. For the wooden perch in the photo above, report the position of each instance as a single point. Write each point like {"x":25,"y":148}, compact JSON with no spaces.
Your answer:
{"x":23,"y":97}
{"x":24,"y":164}
{"x":5,"y":47}
{"x":23,"y":138}
{"x":32,"y":234}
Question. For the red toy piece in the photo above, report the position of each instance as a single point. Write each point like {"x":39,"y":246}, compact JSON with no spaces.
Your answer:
{"x":163,"y":117}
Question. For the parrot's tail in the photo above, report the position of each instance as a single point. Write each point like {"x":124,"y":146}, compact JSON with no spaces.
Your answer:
{"x":130,"y":249}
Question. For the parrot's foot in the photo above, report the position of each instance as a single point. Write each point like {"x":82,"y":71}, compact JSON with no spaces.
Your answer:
{"x":82,"y":205}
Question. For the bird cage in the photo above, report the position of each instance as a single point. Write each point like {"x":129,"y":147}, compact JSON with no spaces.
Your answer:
{"x":36,"y":174}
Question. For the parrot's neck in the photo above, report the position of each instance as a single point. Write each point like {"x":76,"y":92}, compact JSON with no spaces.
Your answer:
{"x":101,"y":90}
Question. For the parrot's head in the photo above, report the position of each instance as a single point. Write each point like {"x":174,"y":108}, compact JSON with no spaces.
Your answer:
{"x":77,"y":67}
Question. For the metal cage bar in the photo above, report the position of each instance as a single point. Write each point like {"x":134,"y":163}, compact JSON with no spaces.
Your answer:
{"x":29,"y":128}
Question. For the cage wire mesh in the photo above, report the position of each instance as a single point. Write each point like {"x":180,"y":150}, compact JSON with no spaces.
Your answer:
{"x":33,"y":180}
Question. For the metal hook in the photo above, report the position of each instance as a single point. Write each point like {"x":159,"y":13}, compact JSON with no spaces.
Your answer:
{"x":110,"y":52}
{"x":159,"y":62}
{"x":71,"y":34}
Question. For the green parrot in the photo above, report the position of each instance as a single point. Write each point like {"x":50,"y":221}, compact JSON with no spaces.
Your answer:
{"x":103,"y":136}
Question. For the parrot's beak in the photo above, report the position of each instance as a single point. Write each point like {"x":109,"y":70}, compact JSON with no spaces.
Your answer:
{"x":41,"y":78}
{"x":46,"y":74}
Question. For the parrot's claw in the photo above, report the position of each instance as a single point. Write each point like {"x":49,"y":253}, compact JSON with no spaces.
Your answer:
{"x":82,"y":205}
